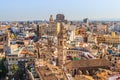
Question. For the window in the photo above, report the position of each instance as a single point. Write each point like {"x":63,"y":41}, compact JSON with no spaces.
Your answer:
{"x":13,"y":59}
{"x":9,"y":59}
{"x":30,"y":59}
{"x":61,"y":43}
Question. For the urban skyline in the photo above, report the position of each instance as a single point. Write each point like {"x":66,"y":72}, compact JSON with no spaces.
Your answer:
{"x":75,"y":10}
{"x":59,"y":40}
{"x":59,"y":49}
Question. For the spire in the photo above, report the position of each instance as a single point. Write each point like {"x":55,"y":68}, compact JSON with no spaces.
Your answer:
{"x":62,"y":37}
{"x":62,"y":33}
{"x":51,"y":18}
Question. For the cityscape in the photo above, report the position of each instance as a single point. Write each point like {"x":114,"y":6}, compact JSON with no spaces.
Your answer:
{"x":67,"y":42}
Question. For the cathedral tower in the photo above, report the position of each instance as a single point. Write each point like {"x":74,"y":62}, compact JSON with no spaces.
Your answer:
{"x":62,"y":38}
{"x":51,"y":20}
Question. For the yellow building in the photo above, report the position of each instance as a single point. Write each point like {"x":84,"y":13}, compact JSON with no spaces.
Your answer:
{"x":109,"y":39}
{"x":50,"y":29}
{"x":80,"y":31}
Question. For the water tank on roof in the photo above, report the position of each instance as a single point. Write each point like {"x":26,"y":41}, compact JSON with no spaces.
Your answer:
{"x":8,"y":50}
{"x":118,"y":46}
{"x":1,"y":33}
{"x":110,"y":51}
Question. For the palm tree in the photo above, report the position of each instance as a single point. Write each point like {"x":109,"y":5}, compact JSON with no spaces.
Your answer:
{"x":16,"y":72}
{"x":13,"y":69}
{"x":3,"y":69}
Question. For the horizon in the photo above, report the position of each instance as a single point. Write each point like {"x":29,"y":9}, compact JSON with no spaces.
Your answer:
{"x":24,"y":10}
{"x":22,"y":20}
{"x":106,"y":20}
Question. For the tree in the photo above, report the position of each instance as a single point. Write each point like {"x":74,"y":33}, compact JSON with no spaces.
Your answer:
{"x":16,"y":72}
{"x":14,"y":68}
{"x":3,"y":70}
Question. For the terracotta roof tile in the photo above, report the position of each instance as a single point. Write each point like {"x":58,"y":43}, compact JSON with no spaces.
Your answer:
{"x":88,"y":63}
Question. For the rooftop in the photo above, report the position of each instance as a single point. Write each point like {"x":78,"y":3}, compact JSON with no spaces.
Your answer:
{"x":88,"y":63}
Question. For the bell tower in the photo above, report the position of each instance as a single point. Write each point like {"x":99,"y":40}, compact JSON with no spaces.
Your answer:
{"x":51,"y":20}
{"x":62,"y":38}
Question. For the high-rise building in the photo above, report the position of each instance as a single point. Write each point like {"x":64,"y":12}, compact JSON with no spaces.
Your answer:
{"x":40,"y":30}
{"x":106,"y":28}
{"x":60,"y":17}
{"x":86,"y":21}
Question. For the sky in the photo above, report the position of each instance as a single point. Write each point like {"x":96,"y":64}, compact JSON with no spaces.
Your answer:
{"x":14,"y":10}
